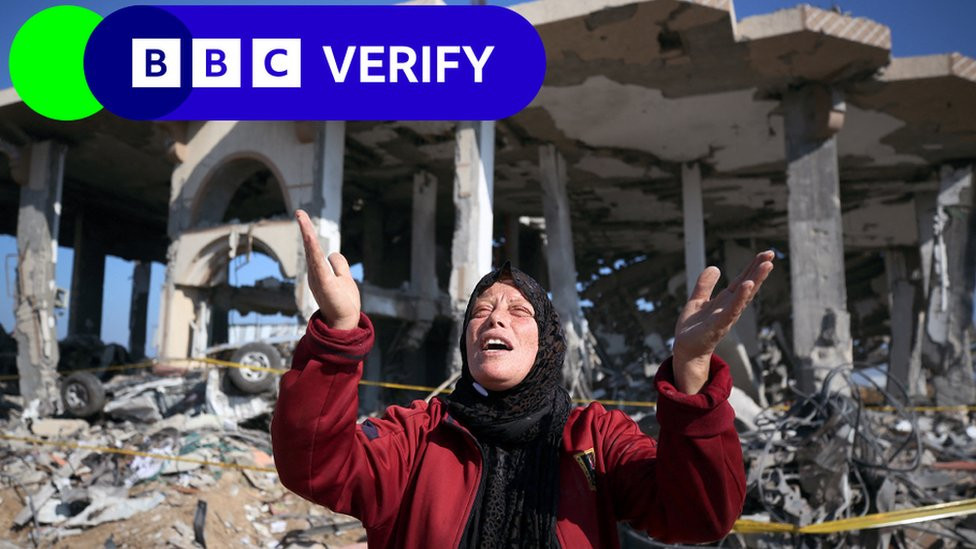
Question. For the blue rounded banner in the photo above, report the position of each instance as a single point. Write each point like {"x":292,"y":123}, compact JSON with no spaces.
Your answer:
{"x":315,"y":62}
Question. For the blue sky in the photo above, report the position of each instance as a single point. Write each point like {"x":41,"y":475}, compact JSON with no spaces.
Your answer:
{"x":918,"y":28}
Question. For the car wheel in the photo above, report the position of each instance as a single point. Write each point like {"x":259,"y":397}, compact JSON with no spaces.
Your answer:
{"x":83,"y":394}
{"x":254,"y":354}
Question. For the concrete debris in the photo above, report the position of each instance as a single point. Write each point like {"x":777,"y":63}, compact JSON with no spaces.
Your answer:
{"x":138,"y":401}
{"x":237,"y":407}
{"x":111,"y":504}
{"x":53,"y":428}
{"x":90,"y":497}
{"x":831,"y":456}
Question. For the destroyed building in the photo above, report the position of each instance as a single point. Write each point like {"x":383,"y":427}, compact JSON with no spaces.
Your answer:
{"x":667,"y":136}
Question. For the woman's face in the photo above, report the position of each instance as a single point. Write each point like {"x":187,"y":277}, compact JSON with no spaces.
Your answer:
{"x":502,"y":338}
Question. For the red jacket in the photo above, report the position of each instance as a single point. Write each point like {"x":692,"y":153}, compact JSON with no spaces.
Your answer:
{"x":411,"y":476}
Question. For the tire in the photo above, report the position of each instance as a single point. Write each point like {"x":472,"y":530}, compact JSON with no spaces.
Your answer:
{"x":260,"y":354}
{"x":82,"y":394}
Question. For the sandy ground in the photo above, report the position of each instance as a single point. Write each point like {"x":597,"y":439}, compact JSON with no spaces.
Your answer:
{"x":232,"y":503}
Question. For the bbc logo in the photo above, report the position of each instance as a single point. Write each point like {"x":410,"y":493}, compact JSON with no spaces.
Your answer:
{"x":216,"y":63}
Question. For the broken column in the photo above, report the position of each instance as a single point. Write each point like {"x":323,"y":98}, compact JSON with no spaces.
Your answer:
{"x":474,"y":165}
{"x":325,"y":208}
{"x":37,"y":244}
{"x":138,"y":307}
{"x":945,"y":349}
{"x":904,"y":370}
{"x":87,"y":279}
{"x":821,"y":323}
{"x":578,"y":368}
{"x":924,"y":214}
{"x":200,"y":326}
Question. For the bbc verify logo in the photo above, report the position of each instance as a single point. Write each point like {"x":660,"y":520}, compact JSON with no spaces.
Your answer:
{"x":216,"y":63}
{"x":315,"y":62}
{"x":276,"y":63}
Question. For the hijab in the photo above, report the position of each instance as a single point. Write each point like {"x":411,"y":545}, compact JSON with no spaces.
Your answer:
{"x":519,"y":431}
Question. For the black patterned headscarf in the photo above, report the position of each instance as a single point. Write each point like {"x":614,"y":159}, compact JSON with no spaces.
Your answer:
{"x":519,"y":431}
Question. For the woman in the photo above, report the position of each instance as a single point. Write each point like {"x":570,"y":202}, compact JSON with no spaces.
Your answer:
{"x":506,"y":461}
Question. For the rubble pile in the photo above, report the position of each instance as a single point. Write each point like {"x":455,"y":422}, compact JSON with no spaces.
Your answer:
{"x":832,"y":456}
{"x":106,"y":482}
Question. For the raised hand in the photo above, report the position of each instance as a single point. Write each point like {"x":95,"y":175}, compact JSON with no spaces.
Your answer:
{"x":705,"y":320}
{"x":333,"y":287}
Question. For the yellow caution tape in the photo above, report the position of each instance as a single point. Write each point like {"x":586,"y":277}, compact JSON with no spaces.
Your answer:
{"x":955,"y":408}
{"x":127,"y":452}
{"x":748,"y":526}
{"x":424,"y":388}
{"x":218,"y":362}
{"x":887,"y":519}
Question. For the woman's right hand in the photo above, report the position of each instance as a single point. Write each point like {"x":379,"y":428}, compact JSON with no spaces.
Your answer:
{"x":333,"y":287}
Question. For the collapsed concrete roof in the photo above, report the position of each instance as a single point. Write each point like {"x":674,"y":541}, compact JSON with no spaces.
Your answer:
{"x":117,"y":171}
{"x":633,"y":89}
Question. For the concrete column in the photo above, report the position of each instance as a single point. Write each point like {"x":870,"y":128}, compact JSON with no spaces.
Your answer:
{"x":949,"y":312}
{"x":474,"y":169}
{"x":138,"y":307}
{"x":578,"y":369}
{"x":903,"y":366}
{"x":821,"y":322}
{"x":325,"y":209}
{"x":87,"y":279}
{"x":474,"y":181}
{"x":200,"y":325}
{"x":37,"y":245}
{"x":423,"y":244}
{"x":177,"y":308}
{"x":924,"y":214}
{"x":694,"y":223}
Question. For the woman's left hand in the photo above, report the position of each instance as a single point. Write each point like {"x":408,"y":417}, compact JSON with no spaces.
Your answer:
{"x":705,"y":320}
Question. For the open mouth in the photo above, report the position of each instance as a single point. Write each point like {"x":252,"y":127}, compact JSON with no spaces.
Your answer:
{"x":496,"y":344}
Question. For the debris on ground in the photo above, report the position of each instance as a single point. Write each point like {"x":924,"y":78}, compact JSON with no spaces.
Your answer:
{"x":185,"y":461}
{"x":831,"y":455}
{"x":168,"y":462}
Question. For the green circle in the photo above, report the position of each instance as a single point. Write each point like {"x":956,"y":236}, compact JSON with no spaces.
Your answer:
{"x":47,"y":62}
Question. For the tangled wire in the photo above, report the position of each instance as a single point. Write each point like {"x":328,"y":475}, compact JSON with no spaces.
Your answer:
{"x":829,"y":456}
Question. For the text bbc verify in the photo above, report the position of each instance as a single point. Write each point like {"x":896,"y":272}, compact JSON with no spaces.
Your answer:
{"x":276,"y":63}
